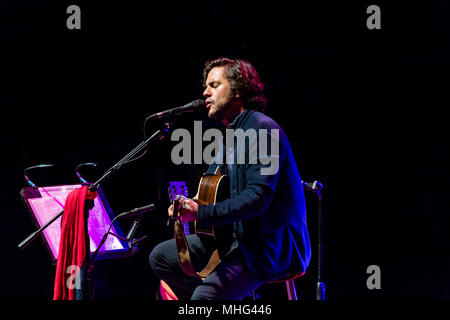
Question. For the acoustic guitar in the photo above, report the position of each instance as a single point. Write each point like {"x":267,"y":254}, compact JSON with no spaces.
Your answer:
{"x":212,"y":188}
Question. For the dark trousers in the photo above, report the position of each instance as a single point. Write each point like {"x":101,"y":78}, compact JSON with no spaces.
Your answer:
{"x":229,"y":281}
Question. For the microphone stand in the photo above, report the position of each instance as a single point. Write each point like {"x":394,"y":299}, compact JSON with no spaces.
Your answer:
{"x":320,"y":289}
{"x":158,"y":135}
{"x":317,"y":187}
{"x":130,"y":237}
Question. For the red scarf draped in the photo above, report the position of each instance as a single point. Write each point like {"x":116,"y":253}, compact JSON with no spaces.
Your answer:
{"x":73,"y":244}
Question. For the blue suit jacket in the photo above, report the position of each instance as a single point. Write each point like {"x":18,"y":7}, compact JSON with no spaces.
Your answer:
{"x":267,"y":212}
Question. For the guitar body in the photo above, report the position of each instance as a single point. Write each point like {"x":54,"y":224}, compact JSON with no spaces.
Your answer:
{"x":212,"y":188}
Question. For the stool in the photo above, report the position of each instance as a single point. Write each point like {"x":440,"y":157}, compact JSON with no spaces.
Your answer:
{"x":165,"y":292}
{"x":291,"y":292}
{"x":290,"y":287}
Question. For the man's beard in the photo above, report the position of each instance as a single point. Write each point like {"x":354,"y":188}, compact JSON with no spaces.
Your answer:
{"x":218,"y":111}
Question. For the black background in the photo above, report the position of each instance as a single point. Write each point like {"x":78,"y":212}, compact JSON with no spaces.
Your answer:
{"x":364,"y":111}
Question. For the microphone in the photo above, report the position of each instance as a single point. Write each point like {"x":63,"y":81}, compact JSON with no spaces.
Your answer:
{"x":137,"y":211}
{"x":194,"y":106}
{"x":312,"y":186}
{"x":137,"y":222}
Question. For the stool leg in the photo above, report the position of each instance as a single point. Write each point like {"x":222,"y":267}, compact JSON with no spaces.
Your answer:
{"x":291,"y":292}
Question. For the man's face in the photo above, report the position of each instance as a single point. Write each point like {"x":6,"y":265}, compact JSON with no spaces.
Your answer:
{"x":218,"y":94}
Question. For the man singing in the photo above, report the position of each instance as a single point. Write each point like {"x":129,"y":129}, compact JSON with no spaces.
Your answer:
{"x":265,"y":216}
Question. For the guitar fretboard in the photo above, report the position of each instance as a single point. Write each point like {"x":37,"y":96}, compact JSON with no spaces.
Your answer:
{"x":178,"y":188}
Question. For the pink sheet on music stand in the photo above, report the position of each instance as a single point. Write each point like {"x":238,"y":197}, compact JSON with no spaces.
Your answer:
{"x":52,"y":202}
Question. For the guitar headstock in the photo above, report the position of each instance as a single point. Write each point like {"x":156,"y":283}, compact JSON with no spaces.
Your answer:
{"x":177,"y":188}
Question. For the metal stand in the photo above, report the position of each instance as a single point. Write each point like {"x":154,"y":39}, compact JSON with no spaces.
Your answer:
{"x":89,"y":277}
{"x":317,"y":187}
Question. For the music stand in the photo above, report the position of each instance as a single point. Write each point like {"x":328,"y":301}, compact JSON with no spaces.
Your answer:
{"x":44,"y":202}
{"x":95,"y":187}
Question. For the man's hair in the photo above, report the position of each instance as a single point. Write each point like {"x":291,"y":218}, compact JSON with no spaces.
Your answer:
{"x":243,"y":80}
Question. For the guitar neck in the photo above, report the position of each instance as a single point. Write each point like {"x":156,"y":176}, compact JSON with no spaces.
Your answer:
{"x":176,"y":213}
{"x":186,"y":228}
